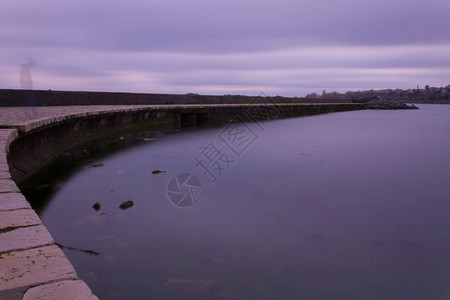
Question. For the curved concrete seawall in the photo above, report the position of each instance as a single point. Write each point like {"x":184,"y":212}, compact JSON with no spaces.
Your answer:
{"x":32,"y":266}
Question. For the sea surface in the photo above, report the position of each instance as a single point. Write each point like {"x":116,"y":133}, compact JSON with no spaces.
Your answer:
{"x":348,"y":205}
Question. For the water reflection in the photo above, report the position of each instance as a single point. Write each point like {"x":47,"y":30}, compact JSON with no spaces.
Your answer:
{"x":342,"y":206}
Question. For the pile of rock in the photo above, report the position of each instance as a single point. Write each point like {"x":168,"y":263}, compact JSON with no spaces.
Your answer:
{"x":382,"y":103}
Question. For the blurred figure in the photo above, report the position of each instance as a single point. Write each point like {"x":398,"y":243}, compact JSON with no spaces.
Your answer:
{"x":26,"y":83}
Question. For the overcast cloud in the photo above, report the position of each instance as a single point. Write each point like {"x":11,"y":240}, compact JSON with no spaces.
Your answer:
{"x":280,"y":47}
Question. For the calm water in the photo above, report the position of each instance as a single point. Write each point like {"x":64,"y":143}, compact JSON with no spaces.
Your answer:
{"x":352,"y":205}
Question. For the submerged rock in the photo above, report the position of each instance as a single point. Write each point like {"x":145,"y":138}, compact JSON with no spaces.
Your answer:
{"x":96,"y":206}
{"x":49,"y":186}
{"x":191,"y":286}
{"x":126,"y":204}
{"x":224,"y":295}
{"x":158,"y":171}
{"x":64,"y":160}
{"x":382,"y":103}
{"x":88,"y":251}
{"x":219,"y":260}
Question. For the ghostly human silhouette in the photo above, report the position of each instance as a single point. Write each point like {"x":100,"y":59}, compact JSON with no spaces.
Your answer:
{"x":26,"y":82}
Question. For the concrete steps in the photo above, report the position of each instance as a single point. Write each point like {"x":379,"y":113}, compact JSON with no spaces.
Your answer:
{"x":31,"y":265}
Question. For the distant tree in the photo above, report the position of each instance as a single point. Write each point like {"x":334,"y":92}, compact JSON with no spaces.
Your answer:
{"x":427,"y":87}
{"x":312,"y":95}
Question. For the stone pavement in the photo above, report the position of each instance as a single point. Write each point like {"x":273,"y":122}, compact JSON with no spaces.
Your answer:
{"x":28,"y":118}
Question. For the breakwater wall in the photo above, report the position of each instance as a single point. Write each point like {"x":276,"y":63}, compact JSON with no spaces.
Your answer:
{"x":11,"y":97}
{"x":48,"y":141}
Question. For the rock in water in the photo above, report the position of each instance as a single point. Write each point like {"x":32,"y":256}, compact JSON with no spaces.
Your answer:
{"x":158,"y":171}
{"x":126,"y":204}
{"x":97,"y":206}
{"x":382,"y":103}
{"x":190,"y":286}
{"x":97,"y":165}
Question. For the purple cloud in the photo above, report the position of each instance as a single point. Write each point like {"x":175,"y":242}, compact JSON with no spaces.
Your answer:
{"x":284,"y":47}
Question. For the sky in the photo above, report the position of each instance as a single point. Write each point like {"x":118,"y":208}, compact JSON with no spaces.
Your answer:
{"x":283,"y":47}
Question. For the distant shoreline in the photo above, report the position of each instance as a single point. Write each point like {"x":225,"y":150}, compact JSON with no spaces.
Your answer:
{"x":425,"y":101}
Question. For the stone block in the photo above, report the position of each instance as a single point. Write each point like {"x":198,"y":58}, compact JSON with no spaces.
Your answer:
{"x":5,"y":174}
{"x":18,"y":218}
{"x":8,"y":186}
{"x":33,"y":267}
{"x":25,"y":238}
{"x":62,"y":290}
{"x":13,"y":201}
{"x":4,"y":167}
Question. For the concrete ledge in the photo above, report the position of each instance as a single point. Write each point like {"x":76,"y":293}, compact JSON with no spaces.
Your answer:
{"x":6,"y":137}
{"x":43,"y":116}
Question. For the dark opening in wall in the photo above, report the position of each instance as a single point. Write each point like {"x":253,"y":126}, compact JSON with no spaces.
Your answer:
{"x":201,"y":118}
{"x":192,"y":119}
{"x":188,"y":119}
